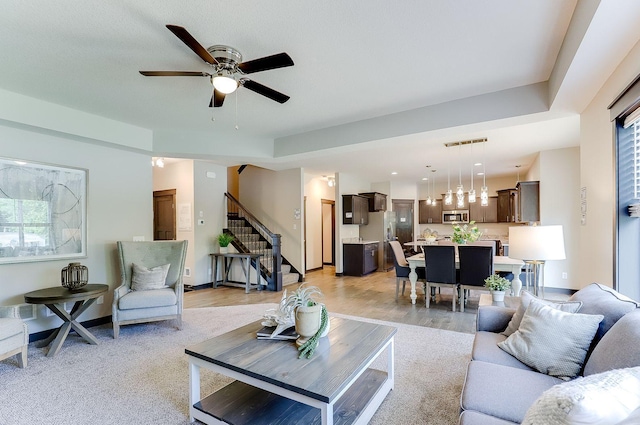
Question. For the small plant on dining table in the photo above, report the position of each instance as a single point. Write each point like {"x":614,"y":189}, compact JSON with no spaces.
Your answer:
{"x":466,"y":233}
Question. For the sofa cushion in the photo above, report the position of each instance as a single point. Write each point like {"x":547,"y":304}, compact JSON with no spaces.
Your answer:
{"x":618,"y":348}
{"x":502,"y":391}
{"x":605,"y":398}
{"x":599,"y":299}
{"x":525,"y":299}
{"x":552,"y":341}
{"x":144,"y":278}
{"x":146,"y":299}
{"x":485,"y":348}
{"x":470,"y":417}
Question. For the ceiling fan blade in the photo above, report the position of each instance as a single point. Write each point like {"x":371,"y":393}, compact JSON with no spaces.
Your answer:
{"x":191,"y":42}
{"x":264,"y":90}
{"x":217,"y":99}
{"x":280,"y":60}
{"x":174,"y":74}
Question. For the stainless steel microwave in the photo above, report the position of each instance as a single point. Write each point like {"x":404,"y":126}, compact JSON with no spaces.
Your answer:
{"x":455,"y":216}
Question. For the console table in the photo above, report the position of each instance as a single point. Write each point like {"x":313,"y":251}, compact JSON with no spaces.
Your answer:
{"x":227,"y":261}
{"x":54,"y":298}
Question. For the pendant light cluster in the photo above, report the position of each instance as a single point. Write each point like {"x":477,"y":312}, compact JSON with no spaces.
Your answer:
{"x":460,"y":195}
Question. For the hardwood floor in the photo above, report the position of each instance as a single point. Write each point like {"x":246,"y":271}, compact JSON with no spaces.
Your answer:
{"x":371,"y":296}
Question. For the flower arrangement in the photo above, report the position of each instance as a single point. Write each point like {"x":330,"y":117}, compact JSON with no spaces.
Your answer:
{"x":466,"y":233}
{"x":495,"y":282}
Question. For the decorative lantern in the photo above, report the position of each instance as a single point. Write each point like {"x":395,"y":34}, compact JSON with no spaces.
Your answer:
{"x":74,"y":276}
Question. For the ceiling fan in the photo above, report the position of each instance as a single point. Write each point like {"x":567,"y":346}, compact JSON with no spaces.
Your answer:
{"x":228,"y":69}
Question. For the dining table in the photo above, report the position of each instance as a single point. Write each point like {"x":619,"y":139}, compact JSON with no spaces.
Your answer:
{"x":500,"y":264}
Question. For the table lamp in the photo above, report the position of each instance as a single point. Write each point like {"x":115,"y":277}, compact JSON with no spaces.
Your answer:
{"x":535,"y":245}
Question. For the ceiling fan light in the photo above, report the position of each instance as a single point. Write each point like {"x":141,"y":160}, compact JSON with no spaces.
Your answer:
{"x":224,"y":83}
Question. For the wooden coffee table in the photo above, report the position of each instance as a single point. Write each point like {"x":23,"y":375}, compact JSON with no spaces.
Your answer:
{"x":274,"y":386}
{"x":54,"y":298}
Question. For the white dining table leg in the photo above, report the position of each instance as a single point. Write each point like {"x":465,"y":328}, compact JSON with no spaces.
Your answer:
{"x":413,"y":278}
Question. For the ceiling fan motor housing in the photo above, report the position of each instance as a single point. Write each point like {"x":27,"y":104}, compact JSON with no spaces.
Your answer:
{"x":226,"y":56}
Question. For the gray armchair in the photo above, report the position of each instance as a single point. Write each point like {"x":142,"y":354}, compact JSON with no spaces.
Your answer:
{"x":14,"y":336}
{"x":141,"y":306}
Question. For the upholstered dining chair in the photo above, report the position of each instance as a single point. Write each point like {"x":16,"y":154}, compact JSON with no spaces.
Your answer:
{"x":476,"y":264}
{"x":151,"y":285}
{"x":440,"y":266}
{"x":402,"y":267}
{"x":14,"y":336}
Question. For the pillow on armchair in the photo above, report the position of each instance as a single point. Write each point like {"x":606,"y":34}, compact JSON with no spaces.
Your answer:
{"x":144,"y":279}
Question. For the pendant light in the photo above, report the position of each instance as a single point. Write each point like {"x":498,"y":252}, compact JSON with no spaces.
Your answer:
{"x":433,"y":201}
{"x":460,"y":188}
{"x":484,"y":192}
{"x":472,"y":191}
{"x":448,"y":197}
{"x":428,"y":188}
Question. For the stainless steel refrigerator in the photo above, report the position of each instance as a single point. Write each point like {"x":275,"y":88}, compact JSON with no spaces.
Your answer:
{"x":382,"y":228}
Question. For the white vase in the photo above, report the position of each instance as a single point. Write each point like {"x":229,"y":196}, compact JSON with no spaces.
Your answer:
{"x":307,"y":322}
{"x":224,"y":250}
{"x":497,"y":296}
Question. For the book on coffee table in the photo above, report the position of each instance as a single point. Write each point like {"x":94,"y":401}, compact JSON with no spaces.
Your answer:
{"x":267,"y":333}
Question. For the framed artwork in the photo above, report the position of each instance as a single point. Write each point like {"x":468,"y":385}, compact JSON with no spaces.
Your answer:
{"x":43,"y":211}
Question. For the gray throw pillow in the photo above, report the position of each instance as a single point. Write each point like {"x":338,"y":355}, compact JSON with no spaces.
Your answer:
{"x":144,"y":278}
{"x":552,"y":341}
{"x":525,"y":299}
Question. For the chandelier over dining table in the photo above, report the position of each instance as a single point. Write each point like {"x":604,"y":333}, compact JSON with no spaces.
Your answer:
{"x":460,"y":192}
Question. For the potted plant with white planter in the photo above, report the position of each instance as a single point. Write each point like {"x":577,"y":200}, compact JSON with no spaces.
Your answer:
{"x":224,"y":239}
{"x":311,"y":318}
{"x":498,"y":286}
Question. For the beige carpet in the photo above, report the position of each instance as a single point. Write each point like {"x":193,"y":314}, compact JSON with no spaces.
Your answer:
{"x":142,"y":377}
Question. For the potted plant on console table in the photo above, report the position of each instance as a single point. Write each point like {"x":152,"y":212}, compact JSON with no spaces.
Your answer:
{"x":498,"y":286}
{"x":224,"y":239}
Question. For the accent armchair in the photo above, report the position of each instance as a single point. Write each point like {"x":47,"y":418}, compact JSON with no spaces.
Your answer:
{"x":140,"y":304}
{"x":14,"y":336}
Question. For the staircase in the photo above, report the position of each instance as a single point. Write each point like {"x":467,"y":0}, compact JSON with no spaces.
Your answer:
{"x":252,"y":236}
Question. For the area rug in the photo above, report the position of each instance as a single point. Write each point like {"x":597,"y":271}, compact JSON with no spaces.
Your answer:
{"x":142,"y":377}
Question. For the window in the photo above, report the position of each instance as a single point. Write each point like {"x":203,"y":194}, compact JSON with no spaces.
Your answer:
{"x":42,"y":212}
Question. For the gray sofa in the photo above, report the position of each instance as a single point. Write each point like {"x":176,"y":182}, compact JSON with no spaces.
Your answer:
{"x":499,"y":389}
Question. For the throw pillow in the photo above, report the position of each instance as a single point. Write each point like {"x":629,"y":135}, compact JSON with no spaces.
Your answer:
{"x":552,"y":341}
{"x":604,"y":398}
{"x":144,"y":279}
{"x":525,"y":299}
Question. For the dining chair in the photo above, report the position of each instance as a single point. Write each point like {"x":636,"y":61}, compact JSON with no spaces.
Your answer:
{"x":402,"y":267}
{"x":440,"y":266}
{"x":476,"y":264}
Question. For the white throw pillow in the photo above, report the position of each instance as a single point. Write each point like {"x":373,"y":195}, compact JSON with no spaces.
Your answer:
{"x":601,"y":399}
{"x":144,"y":279}
{"x":525,"y":298}
{"x":552,"y":341}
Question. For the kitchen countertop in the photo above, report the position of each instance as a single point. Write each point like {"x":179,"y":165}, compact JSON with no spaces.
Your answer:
{"x":355,"y":242}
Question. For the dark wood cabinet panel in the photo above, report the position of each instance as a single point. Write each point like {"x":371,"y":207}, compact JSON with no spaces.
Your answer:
{"x":430,"y":214}
{"x":377,"y":201}
{"x":360,"y":259}
{"x":486,"y":214}
{"x":355,"y":209}
{"x":507,"y":205}
{"x":528,"y":209}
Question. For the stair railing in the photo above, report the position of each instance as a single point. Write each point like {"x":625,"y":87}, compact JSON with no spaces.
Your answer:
{"x":274,"y":274}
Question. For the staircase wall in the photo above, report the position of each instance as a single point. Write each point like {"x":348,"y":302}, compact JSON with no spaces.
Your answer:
{"x":276,"y":199}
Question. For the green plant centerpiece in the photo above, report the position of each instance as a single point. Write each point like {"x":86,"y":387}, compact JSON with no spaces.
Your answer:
{"x":311,"y":317}
{"x":224,"y":239}
{"x":466,"y":233}
{"x":498,"y":285}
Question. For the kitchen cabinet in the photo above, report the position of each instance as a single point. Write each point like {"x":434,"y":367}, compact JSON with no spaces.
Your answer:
{"x":528,"y":197}
{"x":454,"y":203}
{"x":507,"y":201}
{"x":377,"y":201}
{"x":360,"y":258}
{"x":430,"y":214}
{"x":486,"y":214}
{"x":355,"y":209}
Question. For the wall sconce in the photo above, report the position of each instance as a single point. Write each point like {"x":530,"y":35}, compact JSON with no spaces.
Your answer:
{"x":331,"y":181}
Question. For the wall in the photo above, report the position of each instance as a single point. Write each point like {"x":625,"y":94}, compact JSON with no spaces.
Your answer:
{"x":179,"y":176}
{"x":315,"y":190}
{"x":119,"y":207}
{"x":274,"y":198}
{"x":597,"y":176}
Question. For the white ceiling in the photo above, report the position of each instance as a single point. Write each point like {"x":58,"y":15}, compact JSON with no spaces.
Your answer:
{"x":354,"y":60}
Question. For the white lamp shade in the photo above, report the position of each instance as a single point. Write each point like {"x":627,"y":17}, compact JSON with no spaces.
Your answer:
{"x":224,"y":84}
{"x":536,"y":243}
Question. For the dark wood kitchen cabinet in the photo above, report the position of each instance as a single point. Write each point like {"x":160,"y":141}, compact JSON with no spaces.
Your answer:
{"x":377,"y":201}
{"x":355,"y":209}
{"x":528,"y":209}
{"x":487,"y":214}
{"x":507,"y":201}
{"x":430,"y":214}
{"x":360,"y":258}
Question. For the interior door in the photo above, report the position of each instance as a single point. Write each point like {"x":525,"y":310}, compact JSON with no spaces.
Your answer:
{"x":164,"y":215}
{"x":328,"y":232}
{"x":404,"y":219}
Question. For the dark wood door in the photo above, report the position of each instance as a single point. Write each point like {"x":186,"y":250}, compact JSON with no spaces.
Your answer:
{"x":404,"y":219}
{"x":164,"y":215}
